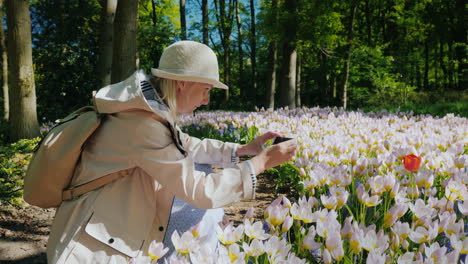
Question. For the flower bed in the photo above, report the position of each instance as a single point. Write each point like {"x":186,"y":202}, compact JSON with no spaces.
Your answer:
{"x":377,"y":188}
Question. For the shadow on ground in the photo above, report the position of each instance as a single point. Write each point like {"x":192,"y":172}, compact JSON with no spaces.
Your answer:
{"x":35,"y":259}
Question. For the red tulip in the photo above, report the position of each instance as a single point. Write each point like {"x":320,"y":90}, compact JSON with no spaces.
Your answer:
{"x":412,"y":162}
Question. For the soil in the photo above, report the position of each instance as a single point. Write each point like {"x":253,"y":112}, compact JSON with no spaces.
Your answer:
{"x":24,"y":231}
{"x":23,"y":234}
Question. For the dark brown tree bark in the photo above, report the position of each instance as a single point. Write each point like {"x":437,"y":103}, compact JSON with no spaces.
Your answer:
{"x":205,"y":21}
{"x":344,"y":86}
{"x":153,"y":12}
{"x":106,"y":42}
{"x":6,"y":96}
{"x":23,"y":116}
{"x":124,"y":53}
{"x":183,"y":23}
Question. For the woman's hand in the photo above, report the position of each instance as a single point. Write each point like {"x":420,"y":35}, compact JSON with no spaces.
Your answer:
{"x":256,"y":145}
{"x":274,"y":155}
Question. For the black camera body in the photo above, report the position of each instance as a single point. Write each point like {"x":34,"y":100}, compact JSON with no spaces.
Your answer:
{"x":280,"y":139}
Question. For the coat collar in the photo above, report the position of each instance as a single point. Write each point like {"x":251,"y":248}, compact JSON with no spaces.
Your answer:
{"x":126,"y":96}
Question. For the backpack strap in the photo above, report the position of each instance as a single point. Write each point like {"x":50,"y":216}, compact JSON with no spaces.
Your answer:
{"x":76,"y":191}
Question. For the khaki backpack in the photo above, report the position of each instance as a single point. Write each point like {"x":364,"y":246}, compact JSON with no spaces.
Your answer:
{"x":50,"y":172}
{"x":52,"y":165}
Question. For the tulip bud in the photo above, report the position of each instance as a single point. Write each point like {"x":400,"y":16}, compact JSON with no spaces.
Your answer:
{"x":288,"y":221}
{"x":302,"y":172}
{"x":412,"y":162}
{"x":250,"y":214}
{"x":413,"y":192}
{"x":327,"y":257}
{"x":405,"y":244}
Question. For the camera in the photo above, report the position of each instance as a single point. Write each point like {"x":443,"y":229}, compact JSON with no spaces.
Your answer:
{"x":280,"y":139}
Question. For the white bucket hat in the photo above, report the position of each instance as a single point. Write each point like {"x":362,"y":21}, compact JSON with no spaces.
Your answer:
{"x":189,"y":61}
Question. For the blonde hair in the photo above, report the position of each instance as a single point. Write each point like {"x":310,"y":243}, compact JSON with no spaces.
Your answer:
{"x":167,"y":90}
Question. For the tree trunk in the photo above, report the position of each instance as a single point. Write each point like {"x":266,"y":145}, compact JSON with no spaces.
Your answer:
{"x":226,"y":72}
{"x":288,"y":65}
{"x":205,"y":21}
{"x":124,"y":59}
{"x":153,"y":13}
{"x":288,"y":76}
{"x":239,"y":48}
{"x":426,"y":65}
{"x":106,"y":42}
{"x":412,"y":75}
{"x":369,"y":24}
{"x":418,"y":78}
{"x":348,"y":56}
{"x":225,"y":29}
{"x":6,"y":96}
{"x":450,"y":66}
{"x":298,"y":82}
{"x":271,"y":86}
{"x":253,"y":49}
{"x":442,"y":65}
{"x":461,"y":48}
{"x":273,"y":56}
{"x":183,"y":24}
{"x":23,"y":116}
{"x":436,"y":69}
{"x":388,"y":25}
{"x":334,"y":89}
{"x":385,"y":14}
{"x":322,"y":81}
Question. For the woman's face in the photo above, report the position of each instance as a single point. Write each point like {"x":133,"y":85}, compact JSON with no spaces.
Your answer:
{"x":191,"y":95}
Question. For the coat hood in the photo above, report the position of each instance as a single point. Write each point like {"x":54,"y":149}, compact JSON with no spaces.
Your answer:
{"x":126,"y":96}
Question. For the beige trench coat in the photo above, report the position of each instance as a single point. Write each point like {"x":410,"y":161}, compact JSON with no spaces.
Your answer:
{"x":116,"y":223}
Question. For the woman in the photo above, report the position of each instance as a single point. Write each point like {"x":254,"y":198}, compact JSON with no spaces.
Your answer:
{"x":141,"y":142}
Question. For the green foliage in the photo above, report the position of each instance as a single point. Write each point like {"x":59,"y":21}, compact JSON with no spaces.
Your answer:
{"x":14,"y":160}
{"x":157,"y":29}
{"x":437,"y":103}
{"x":3,"y":131}
{"x":436,"y":109}
{"x":373,"y":82}
{"x":65,"y":49}
{"x":223,"y":132}
{"x":267,"y":20}
{"x":320,"y":25}
{"x":286,"y":178}
{"x":402,"y":49}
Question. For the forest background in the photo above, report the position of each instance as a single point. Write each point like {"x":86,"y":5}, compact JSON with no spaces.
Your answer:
{"x":354,"y":54}
{"x":368,"y":54}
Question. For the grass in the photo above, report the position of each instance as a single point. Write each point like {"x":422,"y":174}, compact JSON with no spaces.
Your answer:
{"x":434,"y":109}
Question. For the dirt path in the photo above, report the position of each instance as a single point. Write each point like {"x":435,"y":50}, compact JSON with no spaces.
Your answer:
{"x":24,"y":232}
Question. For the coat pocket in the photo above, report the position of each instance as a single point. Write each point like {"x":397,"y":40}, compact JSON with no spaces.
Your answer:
{"x":113,"y":237}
